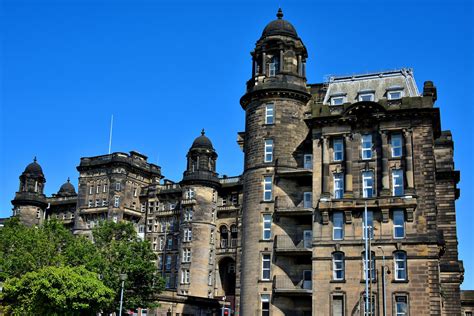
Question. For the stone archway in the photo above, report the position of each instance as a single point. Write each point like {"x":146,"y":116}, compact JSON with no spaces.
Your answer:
{"x":227,"y":275}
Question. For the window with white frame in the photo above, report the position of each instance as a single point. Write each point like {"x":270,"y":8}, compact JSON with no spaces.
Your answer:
{"x":338,"y":148}
{"x":209,"y":278}
{"x":396,"y":145}
{"x":338,"y":266}
{"x":400,"y":263}
{"x":397,"y":182}
{"x":398,"y":224}
{"x":90,"y":203}
{"x":394,"y":94}
{"x":401,"y":305}
{"x":307,"y":200}
{"x":186,"y":255}
{"x":366,"y":146}
{"x":370,"y":224}
{"x":185,"y":276}
{"x":268,"y":150}
{"x":338,"y":179}
{"x":266,"y":262}
{"x":371,"y":267}
{"x":91,"y":189}
{"x":97,"y":203}
{"x":269,"y":114}
{"x":267,"y":226}
{"x":337,"y":100}
{"x":338,"y":226}
{"x":366,"y":96}
{"x":187,"y":235}
{"x":271,"y":69}
{"x":265,"y":304}
{"x":104,"y":188}
{"x":189,"y":193}
{"x":267,"y":188}
{"x":97,"y":189}
{"x":308,"y":161}
{"x":212,"y":238}
{"x":162,"y":243}
{"x":117,"y":186}
{"x":367,"y":184}
{"x":116,"y":201}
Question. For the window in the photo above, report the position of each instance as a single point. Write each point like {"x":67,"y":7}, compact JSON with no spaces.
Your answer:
{"x":338,"y":266}
{"x":169,"y":244}
{"x":269,"y":114}
{"x":211,"y":256}
{"x":307,"y":200}
{"x":366,"y":146}
{"x":168,"y":262}
{"x":188,"y":214}
{"x":273,"y":66}
{"x":267,"y":188}
{"x":268,"y":150}
{"x":265,"y":301}
{"x":104,"y":202}
{"x":97,"y":189}
{"x":162,"y":243}
{"x":135,"y":191}
{"x":366,"y":96}
{"x":97,"y":203}
{"x":370,"y":224}
{"x":337,"y":226}
{"x":117,"y":201}
{"x":394,"y":95}
{"x":338,"y":185}
{"x":466,"y":314}
{"x":267,"y":226}
{"x":38,"y":214}
{"x":185,"y":276}
{"x":104,"y":189}
{"x":188,"y":235}
{"x":117,"y":186}
{"x":337,"y":100}
{"x":212,"y":239}
{"x":308,"y":161}
{"x":189,"y":193}
{"x":371,"y":269}
{"x":400,"y":262}
{"x":89,"y":204}
{"x":266,"y":267}
{"x":397,"y":182}
{"x":338,"y":305}
{"x":398,"y":224}
{"x":401,"y":306}
{"x":186,"y":255}
{"x":91,"y":189}
{"x":396,"y":145}
{"x":209,"y":278}
{"x":338,"y":147}
{"x":367,"y":184}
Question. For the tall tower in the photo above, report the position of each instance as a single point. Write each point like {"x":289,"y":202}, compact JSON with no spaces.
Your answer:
{"x":30,"y":202}
{"x":275,"y":146}
{"x":199,"y":184}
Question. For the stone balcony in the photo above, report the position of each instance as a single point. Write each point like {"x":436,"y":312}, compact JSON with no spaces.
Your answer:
{"x":285,"y":245}
{"x":284,"y":286}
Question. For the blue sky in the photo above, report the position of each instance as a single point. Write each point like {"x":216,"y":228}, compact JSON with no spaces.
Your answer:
{"x":167,"y":69}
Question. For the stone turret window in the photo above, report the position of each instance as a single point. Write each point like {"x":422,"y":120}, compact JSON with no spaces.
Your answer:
{"x":117,"y":186}
{"x":268,"y":150}
{"x":265,"y":304}
{"x":266,"y":263}
{"x":267,"y":227}
{"x":269,"y":114}
{"x":267,"y":188}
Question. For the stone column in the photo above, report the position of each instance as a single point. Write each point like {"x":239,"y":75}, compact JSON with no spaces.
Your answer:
{"x":300,"y":71}
{"x":325,"y":178}
{"x":410,"y":185}
{"x":264,"y":64}
{"x":348,"y":172}
{"x":281,"y":61}
{"x":317,"y":166}
{"x":385,"y":171}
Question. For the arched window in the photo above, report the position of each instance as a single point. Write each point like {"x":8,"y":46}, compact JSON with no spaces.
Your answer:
{"x":338,"y":266}
{"x":233,"y":236}
{"x":224,"y":236}
{"x":400,"y":265}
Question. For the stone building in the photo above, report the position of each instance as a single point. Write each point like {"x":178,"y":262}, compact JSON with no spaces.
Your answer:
{"x":287,"y":237}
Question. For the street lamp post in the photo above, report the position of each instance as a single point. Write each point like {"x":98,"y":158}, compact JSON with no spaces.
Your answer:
{"x":123,"y":277}
{"x":384,"y":297}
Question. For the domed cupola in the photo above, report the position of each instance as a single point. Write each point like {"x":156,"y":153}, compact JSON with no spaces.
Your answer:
{"x":201,"y":166}
{"x":67,"y":189}
{"x":32,"y":179}
{"x":33,"y":170}
{"x":278,"y":63}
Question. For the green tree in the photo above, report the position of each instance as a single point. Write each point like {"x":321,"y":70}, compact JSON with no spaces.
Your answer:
{"x":57,"y":291}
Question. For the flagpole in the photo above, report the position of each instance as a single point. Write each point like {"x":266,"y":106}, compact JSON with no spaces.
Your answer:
{"x":366,"y":235}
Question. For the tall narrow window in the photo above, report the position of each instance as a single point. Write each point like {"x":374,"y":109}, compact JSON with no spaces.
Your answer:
{"x":265,"y":307}
{"x":266,"y":267}
{"x":269,"y":114}
{"x":209,"y":278}
{"x":185,"y":276}
{"x":168,"y":262}
{"x":338,"y":185}
{"x":370,"y":224}
{"x":268,"y":150}
{"x":400,"y":262}
{"x":97,"y":188}
{"x":188,"y":235}
{"x":186,"y":255}
{"x":307,"y":200}
{"x":398,"y":224}
{"x":338,"y":147}
{"x":397,"y":182}
{"x":117,"y":201}
{"x":401,"y":305}
{"x":338,"y":305}
{"x":104,"y":188}
{"x":338,"y":226}
{"x":308,"y":161}
{"x":338,"y":266}
{"x":372,"y":306}
{"x":367,"y":184}
{"x":267,"y":188}
{"x":396,"y":144}
{"x":371,"y":266}
{"x":366,"y":146}
{"x":117,"y":186}
{"x":91,"y":189}
{"x":267,"y":226}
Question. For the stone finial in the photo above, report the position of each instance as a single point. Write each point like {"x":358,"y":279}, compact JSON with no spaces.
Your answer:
{"x":279,"y":14}
{"x":34,"y":159}
{"x":68,"y":180}
{"x":203,"y":132}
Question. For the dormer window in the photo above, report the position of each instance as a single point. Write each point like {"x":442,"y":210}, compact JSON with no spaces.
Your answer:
{"x":394,"y":93}
{"x":366,"y":95}
{"x":338,"y":99}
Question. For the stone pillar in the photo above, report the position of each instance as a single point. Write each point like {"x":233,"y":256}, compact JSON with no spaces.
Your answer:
{"x":410,"y":185}
{"x":300,"y":70}
{"x":326,"y":189}
{"x":264,"y":64}
{"x":317,"y":166}
{"x":348,"y":172}
{"x":282,"y":61}
{"x":254,"y":67}
{"x":385,"y":171}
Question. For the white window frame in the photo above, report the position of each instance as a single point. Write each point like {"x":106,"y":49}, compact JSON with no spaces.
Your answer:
{"x":308,"y":161}
{"x":338,"y":184}
{"x":337,"y":217}
{"x":390,"y":94}
{"x":266,"y":260}
{"x":104,"y":188}
{"x":186,"y":255}
{"x":264,"y":300}
{"x":270,"y":113}
{"x":307,"y":199}
{"x":209,"y":278}
{"x":398,"y":223}
{"x":337,"y":100}
{"x":118,"y":186}
{"x":338,"y":149}
{"x":185,"y":276}
{"x":97,"y":203}
{"x":272,"y":69}
{"x":187,"y":235}
{"x":268,"y":156}
{"x":117,"y":201}
{"x":397,"y":182}
{"x":396,"y":145}
{"x":366,"y":146}
{"x":91,"y":189}
{"x":338,"y":265}
{"x":363,"y":95}
{"x":267,"y":227}
{"x":399,"y":312}
{"x":267,"y":188}
{"x":368,"y":191}
{"x":400,"y":265}
{"x":370,"y":224}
